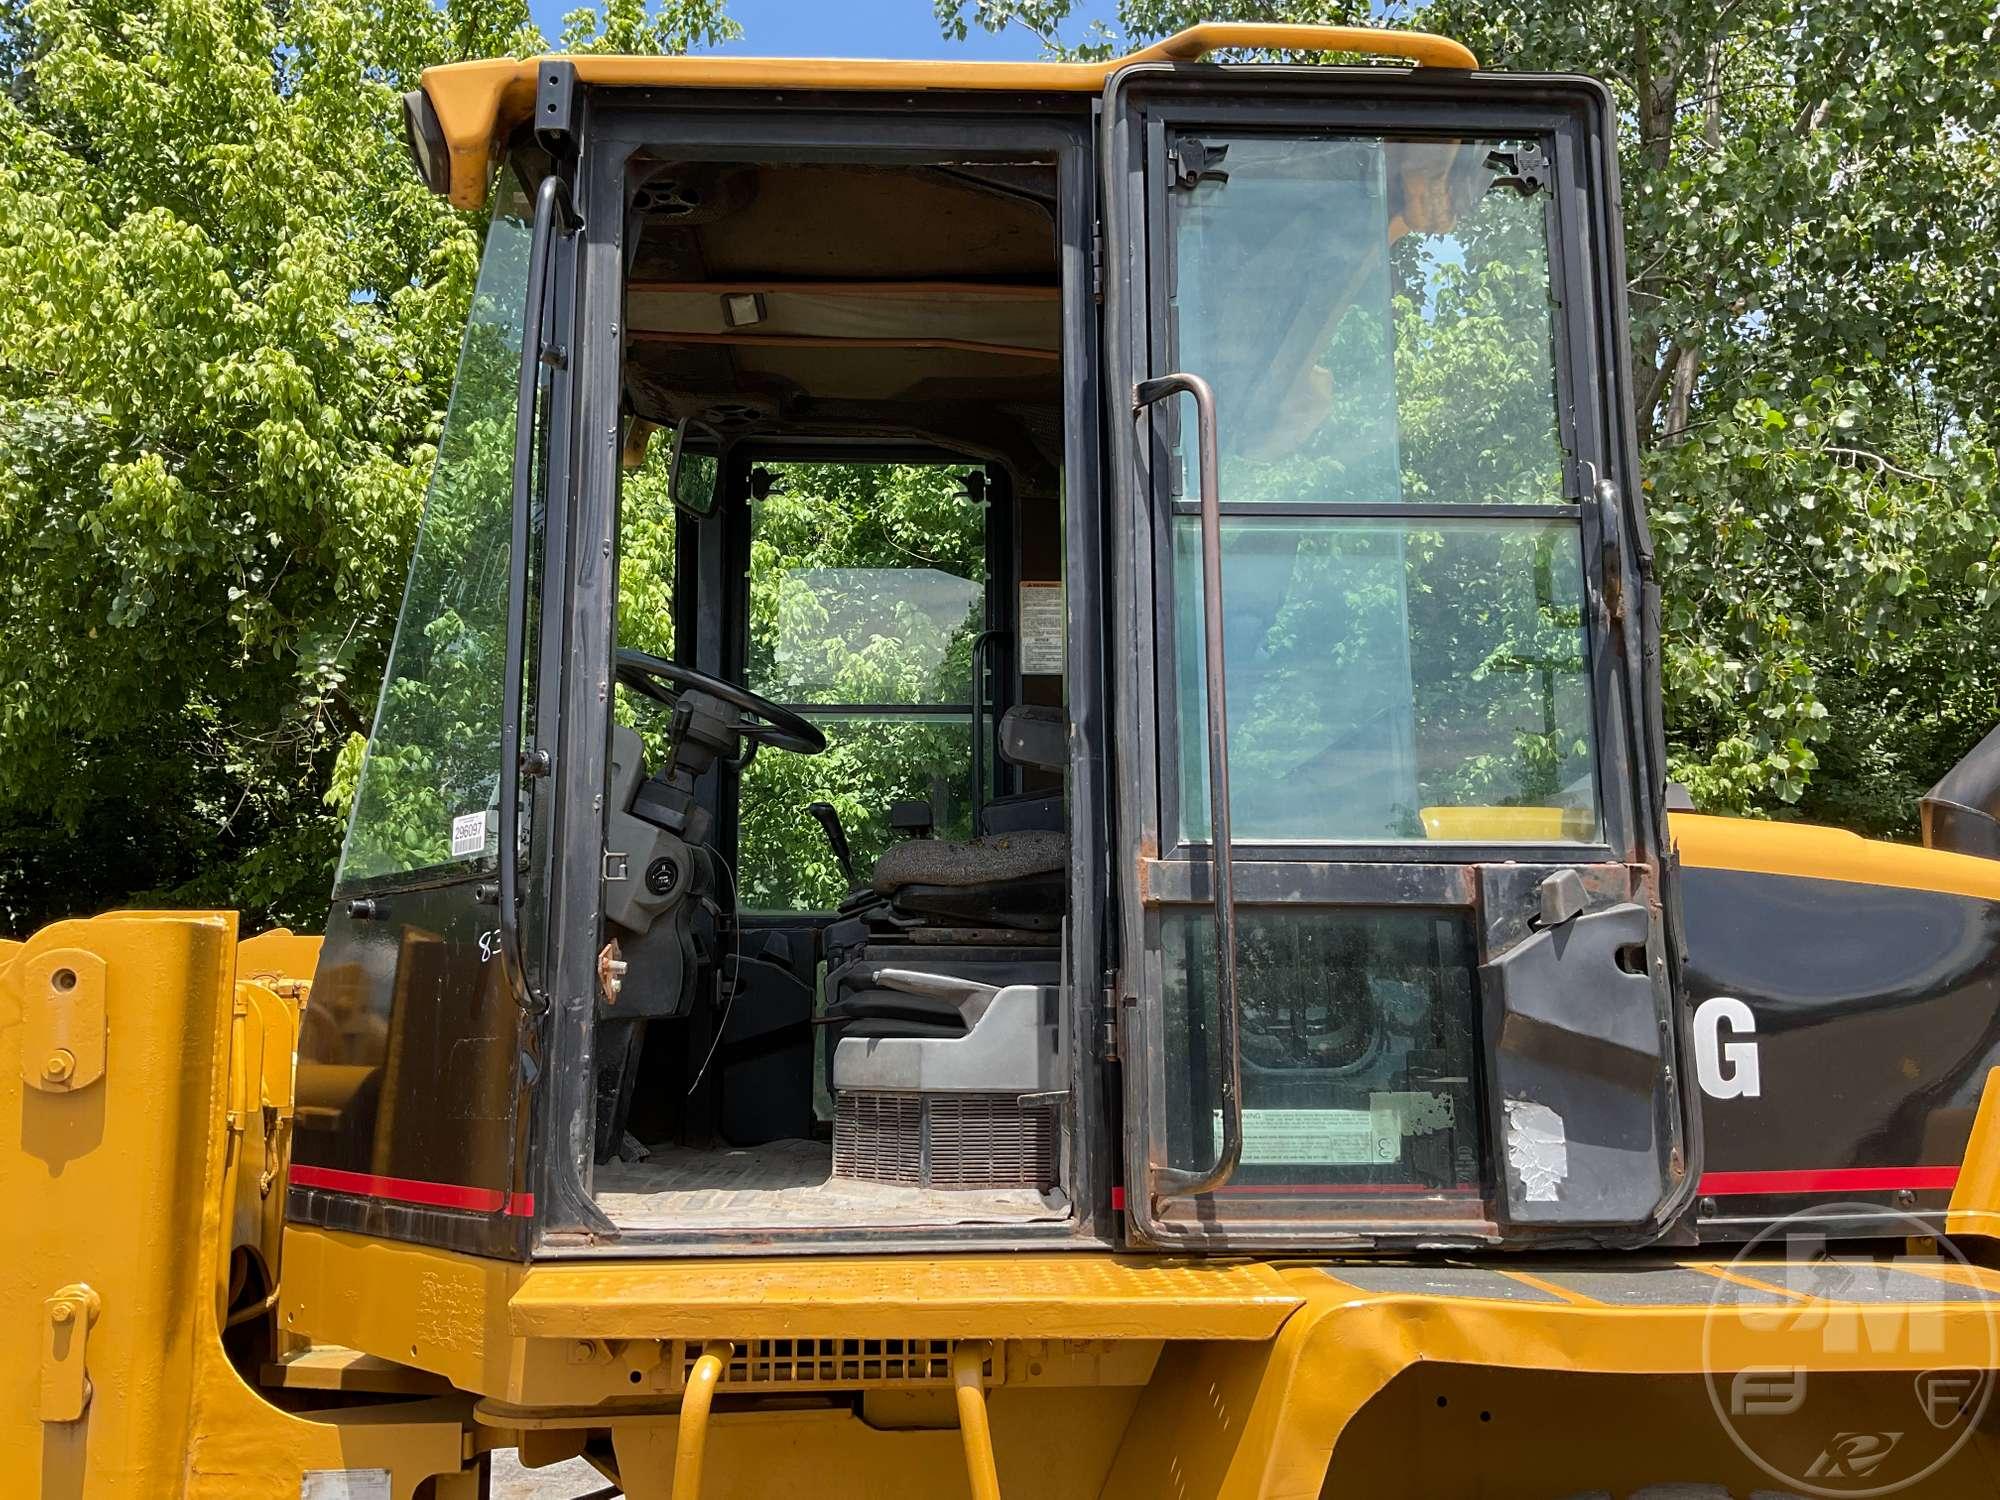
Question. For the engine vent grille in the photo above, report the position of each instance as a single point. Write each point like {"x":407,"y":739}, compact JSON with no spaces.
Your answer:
{"x":950,"y":1141}
{"x":808,"y":1363}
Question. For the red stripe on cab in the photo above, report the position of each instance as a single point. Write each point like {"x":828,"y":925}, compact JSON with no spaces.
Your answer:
{"x":1829,"y":1180}
{"x":412,"y":1190}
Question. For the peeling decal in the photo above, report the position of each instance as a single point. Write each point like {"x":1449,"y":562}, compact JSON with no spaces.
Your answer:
{"x":1537,"y":1149}
{"x":1417,"y":1113}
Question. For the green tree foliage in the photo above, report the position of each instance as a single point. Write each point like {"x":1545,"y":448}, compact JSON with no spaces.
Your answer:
{"x":230,"y":329}
{"x":1812,"y":207}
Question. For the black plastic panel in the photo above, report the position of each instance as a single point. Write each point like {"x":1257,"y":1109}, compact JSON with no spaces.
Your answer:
{"x":1876,"y":1016}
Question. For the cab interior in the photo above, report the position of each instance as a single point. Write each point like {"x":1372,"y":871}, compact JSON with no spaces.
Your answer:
{"x":838,"y":864}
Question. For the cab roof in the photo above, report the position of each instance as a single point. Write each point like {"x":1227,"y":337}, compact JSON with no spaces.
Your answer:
{"x":478,"y":104}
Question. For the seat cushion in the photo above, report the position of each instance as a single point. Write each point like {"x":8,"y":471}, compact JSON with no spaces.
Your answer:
{"x":992,"y":860}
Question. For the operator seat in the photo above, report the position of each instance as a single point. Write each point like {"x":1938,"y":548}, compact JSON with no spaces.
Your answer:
{"x":1003,"y":894}
{"x":1013,"y":874}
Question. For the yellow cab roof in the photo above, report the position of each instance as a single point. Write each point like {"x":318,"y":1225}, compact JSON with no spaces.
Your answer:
{"x":479,"y":103}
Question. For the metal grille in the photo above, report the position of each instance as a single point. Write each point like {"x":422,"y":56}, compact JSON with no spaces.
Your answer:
{"x":988,"y":1141}
{"x":878,"y":1137}
{"x":805,"y":1363}
{"x":950,"y":1141}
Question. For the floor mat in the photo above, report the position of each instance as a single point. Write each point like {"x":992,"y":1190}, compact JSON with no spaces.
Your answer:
{"x":790,"y":1185}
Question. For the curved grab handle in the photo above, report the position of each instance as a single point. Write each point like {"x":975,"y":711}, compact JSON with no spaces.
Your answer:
{"x":1424,"y":48}
{"x":1173,"y":1181}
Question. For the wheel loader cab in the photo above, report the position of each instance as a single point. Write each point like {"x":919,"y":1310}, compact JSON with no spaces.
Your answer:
{"x":1001,"y":667}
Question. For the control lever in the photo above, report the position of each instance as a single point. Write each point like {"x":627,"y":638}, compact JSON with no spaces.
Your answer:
{"x":828,"y":818}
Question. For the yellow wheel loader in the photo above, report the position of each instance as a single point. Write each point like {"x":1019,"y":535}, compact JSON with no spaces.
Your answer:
{"x":1016,"y":844}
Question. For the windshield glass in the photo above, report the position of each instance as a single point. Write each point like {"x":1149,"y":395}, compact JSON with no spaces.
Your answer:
{"x":867,"y":589}
{"x":430,"y":779}
{"x":1402,"y":566}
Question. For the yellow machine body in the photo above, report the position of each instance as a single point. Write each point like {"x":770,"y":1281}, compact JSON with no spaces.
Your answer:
{"x":390,"y":1369}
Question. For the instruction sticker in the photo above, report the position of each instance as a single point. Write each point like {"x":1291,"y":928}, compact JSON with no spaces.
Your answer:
{"x":468,"y":834}
{"x":1319,"y":1137}
{"x":1043,"y":629}
{"x":344,"y":1484}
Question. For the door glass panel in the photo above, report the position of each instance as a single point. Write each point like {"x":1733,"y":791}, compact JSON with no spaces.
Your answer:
{"x":432,"y":767}
{"x":867,"y":589}
{"x":1391,"y":680}
{"x":1358,"y":1057}
{"x":1376,"y":320}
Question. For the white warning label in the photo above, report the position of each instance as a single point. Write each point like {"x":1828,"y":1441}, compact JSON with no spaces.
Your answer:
{"x":1319,"y":1137}
{"x":1043,"y":629}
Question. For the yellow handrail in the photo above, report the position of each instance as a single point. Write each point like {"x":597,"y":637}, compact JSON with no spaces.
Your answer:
{"x":692,"y":1439}
{"x":968,"y":1361}
{"x":1424,"y":48}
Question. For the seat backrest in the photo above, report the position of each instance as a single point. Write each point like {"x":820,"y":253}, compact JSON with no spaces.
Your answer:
{"x":1034,"y":734}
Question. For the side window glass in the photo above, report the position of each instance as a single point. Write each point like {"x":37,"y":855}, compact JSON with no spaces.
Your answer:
{"x":430,"y":777}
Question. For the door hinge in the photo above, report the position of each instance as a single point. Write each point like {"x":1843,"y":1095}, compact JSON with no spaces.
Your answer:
{"x":1097,"y":264}
{"x":66,"y":1320}
{"x":1196,"y":161}
{"x":62,"y":1021}
{"x":1107,"y":1025}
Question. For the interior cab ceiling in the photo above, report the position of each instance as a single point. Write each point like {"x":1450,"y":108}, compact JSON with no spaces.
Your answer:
{"x":859,"y":299}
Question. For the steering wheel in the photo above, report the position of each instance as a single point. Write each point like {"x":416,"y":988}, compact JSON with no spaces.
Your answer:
{"x":664,"y":681}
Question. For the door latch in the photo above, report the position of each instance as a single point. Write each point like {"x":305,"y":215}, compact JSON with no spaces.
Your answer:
{"x":66,"y":1320}
{"x":1192,"y":162}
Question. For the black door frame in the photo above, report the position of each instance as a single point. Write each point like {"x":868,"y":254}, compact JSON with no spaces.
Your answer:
{"x":1140,"y":104}
{"x":712,"y":125}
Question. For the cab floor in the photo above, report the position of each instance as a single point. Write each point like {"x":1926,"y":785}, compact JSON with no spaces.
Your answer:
{"x":790,"y":1185}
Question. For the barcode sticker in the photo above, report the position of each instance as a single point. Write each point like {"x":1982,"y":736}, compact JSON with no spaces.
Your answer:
{"x":468,"y":834}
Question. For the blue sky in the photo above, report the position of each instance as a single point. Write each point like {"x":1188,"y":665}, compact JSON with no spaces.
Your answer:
{"x":861,"y":28}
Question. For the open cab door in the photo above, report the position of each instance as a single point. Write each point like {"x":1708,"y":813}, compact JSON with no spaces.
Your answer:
{"x":1399,"y":947}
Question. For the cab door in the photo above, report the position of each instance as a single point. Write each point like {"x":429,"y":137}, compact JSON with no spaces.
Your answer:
{"x":1398,"y":959}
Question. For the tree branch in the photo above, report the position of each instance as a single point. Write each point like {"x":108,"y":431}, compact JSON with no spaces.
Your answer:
{"x":1882,"y":465}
